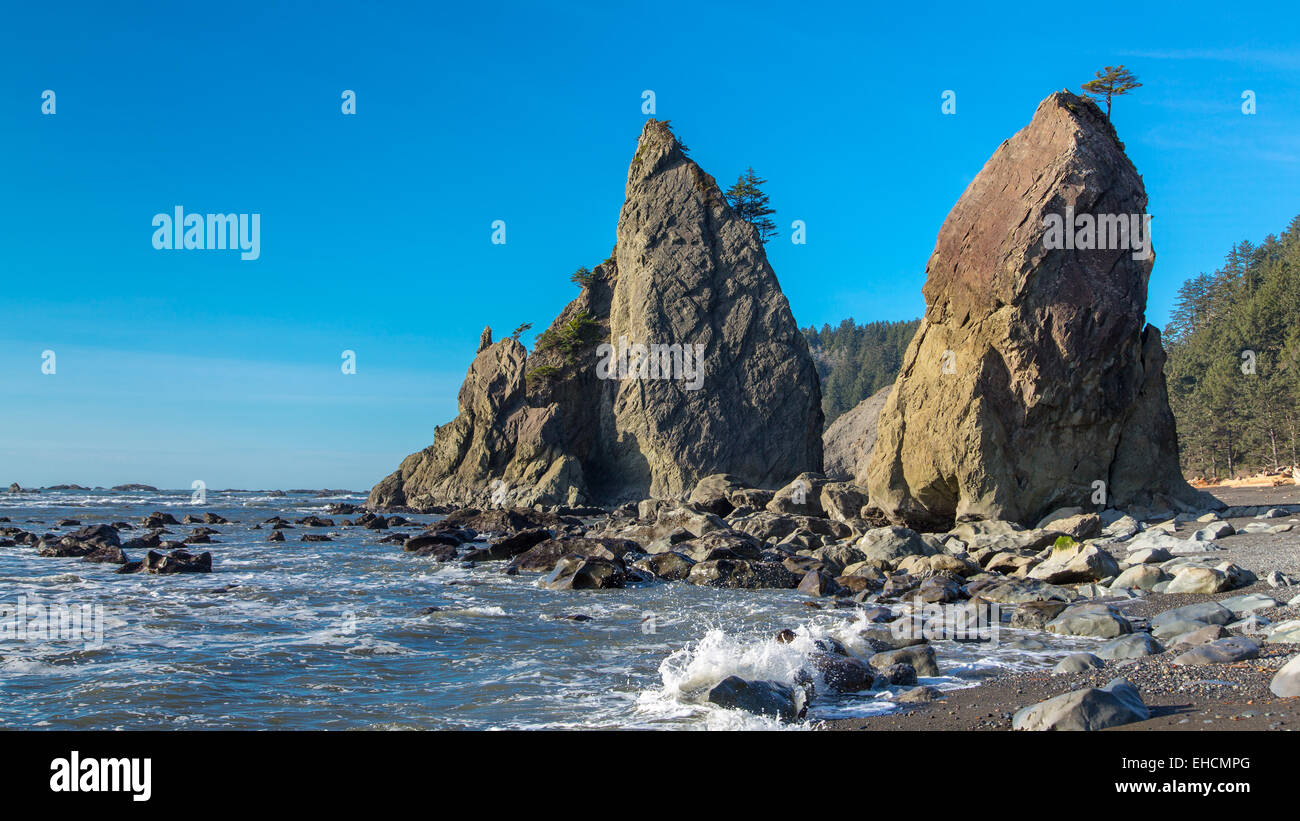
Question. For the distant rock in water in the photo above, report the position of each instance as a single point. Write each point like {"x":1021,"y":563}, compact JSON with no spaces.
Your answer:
{"x":1034,"y":382}
{"x":724,"y":384}
{"x":848,"y":441}
{"x":133,"y":488}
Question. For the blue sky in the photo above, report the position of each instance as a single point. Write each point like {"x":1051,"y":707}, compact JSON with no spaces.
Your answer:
{"x":375,"y":228}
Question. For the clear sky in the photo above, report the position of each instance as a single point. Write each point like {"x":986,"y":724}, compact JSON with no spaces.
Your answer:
{"x":376,"y":231}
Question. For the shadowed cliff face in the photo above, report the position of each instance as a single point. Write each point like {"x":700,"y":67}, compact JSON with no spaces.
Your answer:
{"x":733,"y":390}
{"x":1033,"y":375}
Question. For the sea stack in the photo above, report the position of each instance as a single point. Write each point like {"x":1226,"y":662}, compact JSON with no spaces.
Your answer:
{"x":849,"y":440}
{"x":679,"y":359}
{"x":1034,"y":382}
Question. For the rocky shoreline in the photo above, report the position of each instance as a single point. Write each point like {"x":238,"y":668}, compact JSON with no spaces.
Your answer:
{"x":1197,"y":612}
{"x":1182,"y":598}
{"x":1224,"y":696}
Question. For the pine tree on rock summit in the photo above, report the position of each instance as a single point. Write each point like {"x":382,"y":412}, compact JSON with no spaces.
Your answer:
{"x":1113,"y":81}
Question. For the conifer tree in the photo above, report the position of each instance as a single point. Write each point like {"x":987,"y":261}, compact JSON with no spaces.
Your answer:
{"x":746,"y":197}
{"x":1112,"y":81}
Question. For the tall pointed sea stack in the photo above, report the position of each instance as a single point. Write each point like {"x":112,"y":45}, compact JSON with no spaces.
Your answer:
{"x":726,"y":383}
{"x":1034,"y":382}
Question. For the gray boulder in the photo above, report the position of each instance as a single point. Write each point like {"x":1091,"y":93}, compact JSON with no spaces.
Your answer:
{"x":1242,"y":606}
{"x":1286,"y":684}
{"x":1018,"y":591}
{"x":1140,"y":577}
{"x":1076,"y":564}
{"x":893,"y":543}
{"x":1204,"y":612}
{"x":1092,"y":708}
{"x":1035,"y":615}
{"x":1078,"y":663}
{"x":1212,"y":531}
{"x":1222,"y":651}
{"x":1287,"y":632}
{"x":711,"y":493}
{"x":801,"y":497}
{"x":919,"y":656}
{"x":1100,"y":620}
{"x":1132,"y":646}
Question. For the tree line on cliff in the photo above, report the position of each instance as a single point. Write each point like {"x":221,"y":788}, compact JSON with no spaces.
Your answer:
{"x":1234,"y":361}
{"x":854,"y":361}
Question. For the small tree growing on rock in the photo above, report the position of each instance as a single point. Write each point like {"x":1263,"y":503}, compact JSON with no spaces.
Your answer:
{"x":1113,"y":81}
{"x":584,"y":277}
{"x":750,"y":203}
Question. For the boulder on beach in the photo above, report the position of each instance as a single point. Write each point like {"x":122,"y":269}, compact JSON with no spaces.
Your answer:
{"x":1132,"y":646}
{"x":923,"y":694}
{"x":1034,"y":615}
{"x":679,"y":359}
{"x":1078,"y":663}
{"x":1092,"y":708}
{"x":1090,"y":619}
{"x":1139,"y":577}
{"x":1074,"y":563}
{"x":1221,"y":651}
{"x":1198,"y":580}
{"x":1286,"y":684}
{"x":890,"y":544}
{"x":1033,"y":375}
{"x":1203,"y":612}
{"x":668,"y":566}
{"x":1019,"y":591}
{"x":919,"y":656}
{"x":738,"y":573}
{"x":543,"y":556}
{"x":1186,"y":639}
{"x":766,"y":698}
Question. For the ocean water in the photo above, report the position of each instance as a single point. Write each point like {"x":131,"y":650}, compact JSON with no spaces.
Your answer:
{"x":310,"y":636}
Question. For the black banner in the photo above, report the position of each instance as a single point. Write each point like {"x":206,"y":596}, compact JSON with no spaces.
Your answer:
{"x":147,"y":771}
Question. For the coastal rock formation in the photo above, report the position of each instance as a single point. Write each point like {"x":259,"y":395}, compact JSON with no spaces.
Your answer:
{"x":848,"y":441}
{"x":679,"y":359}
{"x":1033,"y":382}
